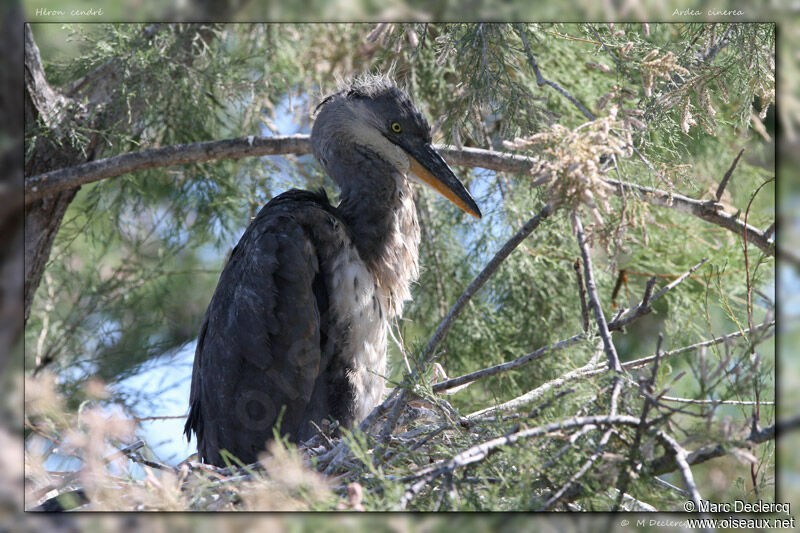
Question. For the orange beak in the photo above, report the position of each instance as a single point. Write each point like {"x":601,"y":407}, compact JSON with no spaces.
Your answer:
{"x":429,"y":166}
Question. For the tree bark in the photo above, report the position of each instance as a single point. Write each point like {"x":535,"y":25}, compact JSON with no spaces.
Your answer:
{"x":85,"y":105}
{"x":45,"y":106}
{"x":11,"y":182}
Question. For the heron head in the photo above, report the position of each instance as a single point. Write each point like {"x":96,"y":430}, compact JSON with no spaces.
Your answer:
{"x":378,"y":116}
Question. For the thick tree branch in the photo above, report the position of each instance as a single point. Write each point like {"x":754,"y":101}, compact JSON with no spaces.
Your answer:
{"x":42,"y":185}
{"x":709,"y":211}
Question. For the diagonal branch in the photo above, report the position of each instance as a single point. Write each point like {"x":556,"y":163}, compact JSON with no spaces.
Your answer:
{"x":594,"y":300}
{"x":644,"y":307}
{"x":487,"y":272}
{"x":727,"y":177}
{"x":455,"y":310}
{"x":505,"y":367}
{"x":484,"y":449}
{"x":541,"y":80}
{"x":680,"y":456}
{"x":709,"y":211}
{"x":636,"y":312}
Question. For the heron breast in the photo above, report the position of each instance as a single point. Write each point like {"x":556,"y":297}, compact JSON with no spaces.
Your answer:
{"x":359,"y":326}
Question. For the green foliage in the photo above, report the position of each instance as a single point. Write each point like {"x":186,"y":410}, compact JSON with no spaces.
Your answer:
{"x":137,"y":257}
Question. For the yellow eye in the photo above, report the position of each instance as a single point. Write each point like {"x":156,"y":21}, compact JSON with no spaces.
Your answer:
{"x":396,"y":127}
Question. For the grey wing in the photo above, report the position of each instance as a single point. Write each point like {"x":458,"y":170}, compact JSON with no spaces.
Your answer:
{"x":258,"y":353}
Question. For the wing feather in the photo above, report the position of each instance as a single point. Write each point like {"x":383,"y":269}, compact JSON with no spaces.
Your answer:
{"x":259,"y":350}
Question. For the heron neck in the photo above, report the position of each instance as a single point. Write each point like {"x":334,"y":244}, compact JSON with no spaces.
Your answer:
{"x":378,"y":218}
{"x":378,"y":209}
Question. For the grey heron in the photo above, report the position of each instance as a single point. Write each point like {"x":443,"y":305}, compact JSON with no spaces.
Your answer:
{"x":296,"y":329}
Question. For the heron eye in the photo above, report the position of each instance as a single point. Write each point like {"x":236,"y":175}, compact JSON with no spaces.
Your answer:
{"x":396,"y":127}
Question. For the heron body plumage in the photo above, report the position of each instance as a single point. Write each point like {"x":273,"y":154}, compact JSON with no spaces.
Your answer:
{"x":296,"y":331}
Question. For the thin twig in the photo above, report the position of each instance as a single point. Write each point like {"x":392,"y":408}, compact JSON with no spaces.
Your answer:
{"x":490,"y":268}
{"x":629,"y":315}
{"x":713,"y":402}
{"x":580,"y":473}
{"x":670,"y":486}
{"x":748,"y":285}
{"x":504,"y":367}
{"x":137,"y":457}
{"x":593,"y":368}
{"x":634,"y":464}
{"x":149,"y":418}
{"x":769,"y":231}
{"x":541,"y":80}
{"x":611,"y":54}
{"x":682,"y":463}
{"x":648,"y":292}
{"x":594,"y":300}
{"x":322,"y":434}
{"x":727,"y":177}
{"x":582,"y":295}
{"x":569,"y":444}
{"x":722,"y":43}
{"x":677,"y":281}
